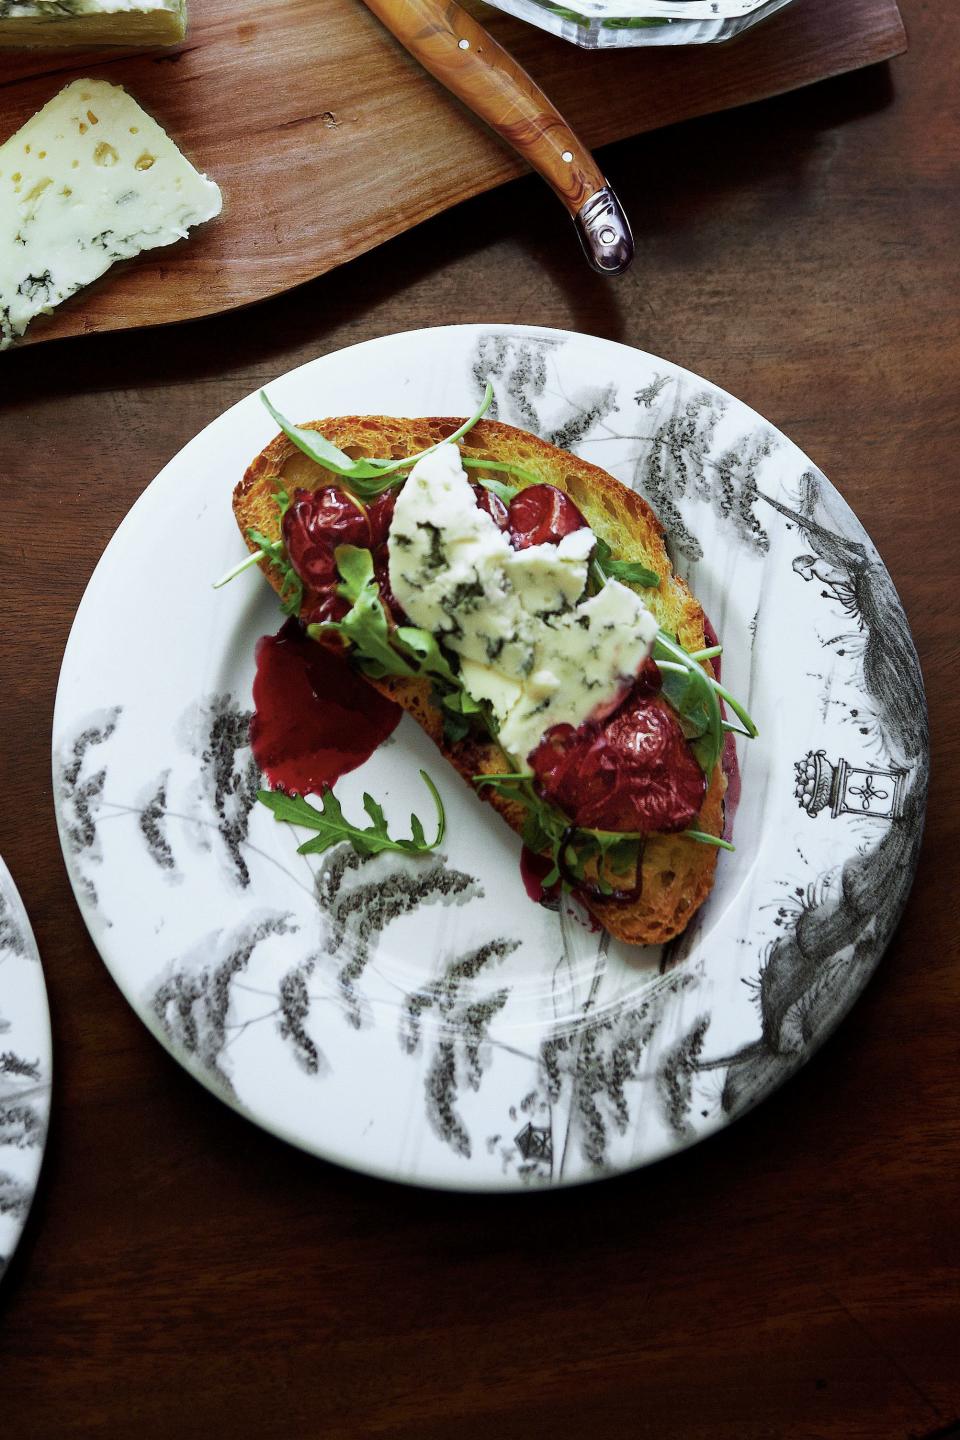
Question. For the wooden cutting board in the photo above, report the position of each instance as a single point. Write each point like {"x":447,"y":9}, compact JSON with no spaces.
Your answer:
{"x":327,"y":139}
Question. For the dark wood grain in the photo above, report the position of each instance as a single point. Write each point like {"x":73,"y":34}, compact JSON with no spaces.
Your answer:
{"x":183,"y":1274}
{"x":327,"y":138}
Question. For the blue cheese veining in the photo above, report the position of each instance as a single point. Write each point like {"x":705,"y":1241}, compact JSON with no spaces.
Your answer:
{"x":90,"y":179}
{"x":57,"y":23}
{"x":530,"y":642}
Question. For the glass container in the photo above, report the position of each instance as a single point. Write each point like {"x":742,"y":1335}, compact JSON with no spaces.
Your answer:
{"x":611,"y":24}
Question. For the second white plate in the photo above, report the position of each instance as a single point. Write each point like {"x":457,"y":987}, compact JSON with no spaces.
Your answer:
{"x":25,"y":1066}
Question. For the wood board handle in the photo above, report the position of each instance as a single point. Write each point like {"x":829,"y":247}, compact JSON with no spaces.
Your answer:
{"x":465,"y":58}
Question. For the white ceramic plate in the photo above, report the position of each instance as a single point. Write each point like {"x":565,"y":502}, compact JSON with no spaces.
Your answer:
{"x":422,"y":1019}
{"x":25,"y":1066}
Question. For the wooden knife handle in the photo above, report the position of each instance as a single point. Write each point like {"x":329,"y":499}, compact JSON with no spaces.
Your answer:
{"x":465,"y":58}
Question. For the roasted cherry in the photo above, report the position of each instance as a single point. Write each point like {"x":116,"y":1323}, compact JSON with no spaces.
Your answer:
{"x":493,"y":505}
{"x":323,"y":605}
{"x":542,"y":515}
{"x":379,"y":516}
{"x":316,"y":522}
{"x":633,"y":772}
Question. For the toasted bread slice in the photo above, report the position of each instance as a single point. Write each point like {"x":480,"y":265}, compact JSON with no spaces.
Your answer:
{"x":677,"y":873}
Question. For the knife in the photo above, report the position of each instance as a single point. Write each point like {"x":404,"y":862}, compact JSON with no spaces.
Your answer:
{"x":465,"y":58}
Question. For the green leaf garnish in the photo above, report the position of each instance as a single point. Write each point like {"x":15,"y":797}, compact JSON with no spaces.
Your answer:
{"x":291,"y":587}
{"x":332,"y":828}
{"x":365,"y":624}
{"x":630,"y":571}
{"x":503,"y":492}
{"x":506,"y":467}
{"x":705,"y":838}
{"x":460,"y":712}
{"x":422,"y":647}
{"x":456,"y":727}
{"x":491,"y":779}
{"x":406,"y":650}
{"x":749,"y":728}
{"x":547,"y":830}
{"x":695,"y":696}
{"x":366,"y":478}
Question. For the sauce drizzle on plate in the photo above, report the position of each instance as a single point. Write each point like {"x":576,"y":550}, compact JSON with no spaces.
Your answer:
{"x":316,"y":718}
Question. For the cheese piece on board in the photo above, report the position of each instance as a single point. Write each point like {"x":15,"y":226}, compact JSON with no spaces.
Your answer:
{"x":49,"y":24}
{"x":88,"y":180}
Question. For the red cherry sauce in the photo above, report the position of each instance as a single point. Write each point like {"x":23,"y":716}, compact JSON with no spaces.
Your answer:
{"x":542,"y":515}
{"x":315,"y":718}
{"x":632,"y":771}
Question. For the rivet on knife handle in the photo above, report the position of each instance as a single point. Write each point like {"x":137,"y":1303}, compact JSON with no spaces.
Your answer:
{"x":464,"y":57}
{"x":604,"y":232}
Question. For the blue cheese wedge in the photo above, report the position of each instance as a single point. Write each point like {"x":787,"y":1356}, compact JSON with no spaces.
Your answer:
{"x":90,"y":179}
{"x":531,"y":643}
{"x":55,"y":23}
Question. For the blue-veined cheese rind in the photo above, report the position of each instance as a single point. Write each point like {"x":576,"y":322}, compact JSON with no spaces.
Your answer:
{"x":58,"y":23}
{"x":88,"y":180}
{"x":531,"y":643}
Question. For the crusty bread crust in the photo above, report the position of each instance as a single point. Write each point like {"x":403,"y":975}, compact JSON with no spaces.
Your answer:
{"x":677,"y":873}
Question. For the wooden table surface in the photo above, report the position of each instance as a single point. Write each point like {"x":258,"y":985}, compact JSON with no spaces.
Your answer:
{"x":184,"y":1274}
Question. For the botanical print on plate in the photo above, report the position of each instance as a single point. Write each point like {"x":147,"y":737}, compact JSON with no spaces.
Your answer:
{"x":25,"y":1066}
{"x":419,"y":1017}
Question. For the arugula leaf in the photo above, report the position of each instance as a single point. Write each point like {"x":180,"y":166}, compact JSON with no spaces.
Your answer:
{"x":406,"y":650}
{"x":275,"y":552}
{"x":365,"y":625}
{"x":455,"y":727}
{"x":547,"y":830}
{"x":496,"y":487}
{"x":332,"y":828}
{"x":616,"y":858}
{"x":422,"y":645}
{"x":630,"y":571}
{"x":705,"y":838}
{"x":459,"y":711}
{"x":367,"y":478}
{"x":695,"y":693}
{"x":491,"y":779}
{"x":694,"y":697}
{"x":291,"y":588}
{"x":506,"y":492}
{"x":688,"y":697}
{"x":749,"y":728}
{"x":316,"y":446}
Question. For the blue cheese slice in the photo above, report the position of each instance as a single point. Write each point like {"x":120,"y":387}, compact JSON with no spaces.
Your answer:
{"x":531,"y":642}
{"x":90,"y":179}
{"x":53,"y":23}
